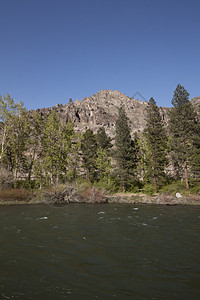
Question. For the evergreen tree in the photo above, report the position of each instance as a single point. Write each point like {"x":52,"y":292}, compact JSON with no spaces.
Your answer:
{"x":157,"y":140}
{"x":183,"y":124}
{"x":125,"y":153}
{"x":103,"y":161}
{"x":143,"y":157}
{"x":103,"y":164}
{"x":72,"y":146}
{"x":89,"y":154}
{"x":103,"y":140}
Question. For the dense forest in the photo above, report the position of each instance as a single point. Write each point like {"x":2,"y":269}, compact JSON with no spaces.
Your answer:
{"x":41,"y":151}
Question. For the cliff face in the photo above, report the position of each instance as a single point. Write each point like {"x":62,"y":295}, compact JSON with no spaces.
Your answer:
{"x":101,"y":109}
{"x":196,"y":102}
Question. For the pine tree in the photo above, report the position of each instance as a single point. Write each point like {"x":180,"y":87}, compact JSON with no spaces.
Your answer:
{"x":183,"y":125}
{"x":143,"y":157}
{"x":89,"y":154}
{"x":72,"y":146}
{"x":157,"y":140}
{"x":103,"y":164}
{"x":103,"y":140}
{"x":125,"y":155}
{"x":103,"y":161}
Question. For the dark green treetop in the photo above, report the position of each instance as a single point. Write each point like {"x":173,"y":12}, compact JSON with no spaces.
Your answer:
{"x":125,"y":151}
{"x":103,"y":140}
{"x":182,"y":124}
{"x":157,"y":140}
{"x":180,"y":97}
{"x":89,"y":153}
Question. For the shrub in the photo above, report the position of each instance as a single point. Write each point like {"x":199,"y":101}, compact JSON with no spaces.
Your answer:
{"x":93,"y":195}
{"x":16,"y":195}
{"x":6,"y":179}
{"x":148,"y":189}
{"x":26,"y":184}
{"x":174,"y":187}
{"x":83,"y":184}
{"x":111,"y":185}
{"x":195,"y":189}
{"x":135,"y":187}
{"x":57,"y":194}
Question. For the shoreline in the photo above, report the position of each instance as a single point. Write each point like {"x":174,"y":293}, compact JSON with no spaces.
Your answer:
{"x":160,"y":199}
{"x":118,"y":198}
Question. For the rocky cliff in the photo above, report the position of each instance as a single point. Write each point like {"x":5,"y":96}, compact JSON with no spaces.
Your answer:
{"x":101,"y":109}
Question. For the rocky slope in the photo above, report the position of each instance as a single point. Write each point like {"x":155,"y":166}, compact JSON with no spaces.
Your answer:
{"x":101,"y":109}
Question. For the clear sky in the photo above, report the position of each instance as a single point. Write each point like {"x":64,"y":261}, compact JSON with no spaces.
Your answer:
{"x":53,"y":50}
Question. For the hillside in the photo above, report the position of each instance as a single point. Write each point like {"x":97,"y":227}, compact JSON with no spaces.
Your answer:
{"x":101,"y":109}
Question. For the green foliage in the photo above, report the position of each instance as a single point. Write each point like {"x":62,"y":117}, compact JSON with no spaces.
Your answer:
{"x":111,"y":185}
{"x":195,"y":189}
{"x":143,"y":158}
{"x":103,"y":140}
{"x":183,"y":127}
{"x":180,"y":97}
{"x":34,"y":142}
{"x":8,"y":107}
{"x":26,"y":184}
{"x":89,"y":154}
{"x":15,"y":135}
{"x":174,"y":187}
{"x":6,"y":179}
{"x":148,"y":189}
{"x":53,"y":154}
{"x":194,"y":185}
{"x":72,"y":150}
{"x":103,"y":164}
{"x":194,"y":158}
{"x":135,"y":186}
{"x":125,"y":153}
{"x":56,"y":145}
{"x":157,"y":141}
{"x":83,"y":184}
{"x":44,"y":150}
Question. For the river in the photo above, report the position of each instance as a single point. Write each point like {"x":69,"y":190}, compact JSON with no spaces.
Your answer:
{"x":108,"y":251}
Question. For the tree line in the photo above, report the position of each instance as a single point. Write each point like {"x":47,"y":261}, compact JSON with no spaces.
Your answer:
{"x":43,"y":151}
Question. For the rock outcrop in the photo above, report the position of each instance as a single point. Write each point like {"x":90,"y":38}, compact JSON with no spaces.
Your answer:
{"x":101,"y":109}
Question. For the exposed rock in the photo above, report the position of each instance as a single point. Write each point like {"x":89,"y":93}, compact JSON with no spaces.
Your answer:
{"x":101,"y":109}
{"x":178,"y":195}
{"x":196,"y":102}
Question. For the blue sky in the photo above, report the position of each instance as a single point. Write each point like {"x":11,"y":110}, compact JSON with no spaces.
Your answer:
{"x":53,"y":50}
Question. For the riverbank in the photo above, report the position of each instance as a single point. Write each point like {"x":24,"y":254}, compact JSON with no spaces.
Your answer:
{"x":23,"y":197}
{"x":161,"y":199}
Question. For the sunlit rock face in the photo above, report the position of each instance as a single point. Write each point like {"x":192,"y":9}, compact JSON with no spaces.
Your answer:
{"x":196,"y":102}
{"x":101,"y":109}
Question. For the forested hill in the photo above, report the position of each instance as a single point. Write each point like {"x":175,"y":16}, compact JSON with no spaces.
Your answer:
{"x":101,"y":109}
{"x":65,"y":142}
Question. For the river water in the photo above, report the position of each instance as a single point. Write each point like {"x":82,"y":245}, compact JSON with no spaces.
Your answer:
{"x":111,"y":251}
